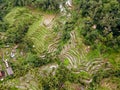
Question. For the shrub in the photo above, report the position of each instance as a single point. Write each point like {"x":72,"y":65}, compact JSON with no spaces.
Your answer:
{"x":105,"y":16}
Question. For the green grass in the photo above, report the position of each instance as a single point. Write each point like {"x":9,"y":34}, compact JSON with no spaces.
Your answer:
{"x":37,"y":34}
{"x":66,"y":62}
{"x":17,"y":14}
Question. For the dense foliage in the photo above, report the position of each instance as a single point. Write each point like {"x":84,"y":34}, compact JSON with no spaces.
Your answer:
{"x":102,"y":22}
{"x":42,"y":4}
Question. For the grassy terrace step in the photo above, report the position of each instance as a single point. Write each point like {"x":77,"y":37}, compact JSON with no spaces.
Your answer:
{"x":17,"y":15}
{"x":65,"y":49}
{"x":53,"y":46}
{"x":73,"y":51}
{"x":78,"y":61}
{"x":37,"y":34}
{"x":55,"y":38}
{"x":73,"y":37}
{"x":73,"y":56}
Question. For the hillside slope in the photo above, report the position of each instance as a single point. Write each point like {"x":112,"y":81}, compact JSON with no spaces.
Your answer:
{"x":47,"y":51}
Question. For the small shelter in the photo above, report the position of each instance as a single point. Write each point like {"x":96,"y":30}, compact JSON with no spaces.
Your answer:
{"x":9,"y":71}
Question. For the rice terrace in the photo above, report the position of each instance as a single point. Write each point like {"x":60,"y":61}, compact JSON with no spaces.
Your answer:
{"x":59,"y":44}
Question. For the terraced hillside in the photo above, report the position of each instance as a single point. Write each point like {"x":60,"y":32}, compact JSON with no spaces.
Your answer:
{"x":39,"y":33}
{"x":48,"y":51}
